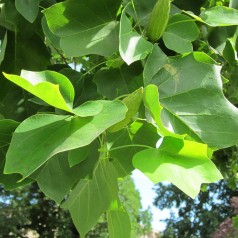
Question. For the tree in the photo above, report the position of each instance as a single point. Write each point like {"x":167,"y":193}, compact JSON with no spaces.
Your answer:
{"x":142,"y":93}
{"x":28,"y":209}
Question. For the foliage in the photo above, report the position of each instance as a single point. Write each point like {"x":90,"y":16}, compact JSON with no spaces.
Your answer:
{"x":27,"y":208}
{"x":127,"y":103}
{"x":211,"y":213}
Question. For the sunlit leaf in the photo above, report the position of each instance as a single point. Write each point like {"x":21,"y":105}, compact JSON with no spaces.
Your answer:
{"x":184,"y":163}
{"x":52,"y":87}
{"x":132,"y":46}
{"x":52,"y":134}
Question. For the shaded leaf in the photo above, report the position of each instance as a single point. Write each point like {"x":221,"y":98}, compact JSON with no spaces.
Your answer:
{"x":7,"y":127}
{"x":125,"y":143}
{"x":78,"y":155}
{"x":113,"y":83}
{"x":140,"y":10}
{"x":180,"y":32}
{"x":56,"y":178}
{"x":92,"y":197}
{"x":156,"y":60}
{"x":184,"y":163}
{"x":28,"y":9}
{"x":85,"y":27}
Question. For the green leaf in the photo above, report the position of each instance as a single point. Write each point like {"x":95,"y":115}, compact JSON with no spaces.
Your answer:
{"x":132,"y":102}
{"x":87,"y":109}
{"x":183,"y":163}
{"x":78,"y":155}
{"x":42,"y":136}
{"x":132,"y":46}
{"x":54,"y":39}
{"x":124,"y":144}
{"x":119,"y":224}
{"x":220,"y":16}
{"x":194,"y":104}
{"x":28,"y":9}
{"x":156,"y":60}
{"x":91,"y":198}
{"x":140,"y":10}
{"x":52,"y":87}
{"x":3,"y":48}
{"x":180,"y":32}
{"x":151,"y":102}
{"x":56,"y":178}
{"x":7,"y":127}
{"x":235,"y":222}
{"x":85,"y":27}
{"x":113,"y":83}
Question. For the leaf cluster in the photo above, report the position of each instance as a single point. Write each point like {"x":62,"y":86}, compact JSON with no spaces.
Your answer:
{"x":126,"y":103}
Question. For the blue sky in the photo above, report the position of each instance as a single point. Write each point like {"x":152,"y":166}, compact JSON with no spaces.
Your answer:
{"x":145,"y":187}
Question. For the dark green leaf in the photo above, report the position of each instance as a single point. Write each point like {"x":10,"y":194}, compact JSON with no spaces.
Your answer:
{"x":93,"y":197}
{"x":180,"y":32}
{"x":113,"y":83}
{"x":28,"y":9}
{"x":156,"y":60}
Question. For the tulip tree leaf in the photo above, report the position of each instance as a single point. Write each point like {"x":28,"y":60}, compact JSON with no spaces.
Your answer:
{"x":7,"y":127}
{"x":140,"y":10}
{"x":85,"y":27}
{"x":28,"y":9}
{"x":56,"y":178}
{"x":125,"y":143}
{"x":93,"y":197}
{"x":132,"y":46}
{"x":113,"y":83}
{"x":78,"y":155}
{"x":177,"y":37}
{"x":194,"y":104}
{"x":181,"y":162}
{"x":87,"y":109}
{"x":52,"y":134}
{"x":220,"y":16}
{"x":52,"y":87}
{"x":119,"y":224}
{"x":156,"y":60}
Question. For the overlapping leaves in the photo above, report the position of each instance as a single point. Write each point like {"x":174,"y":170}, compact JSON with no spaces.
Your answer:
{"x":184,"y":112}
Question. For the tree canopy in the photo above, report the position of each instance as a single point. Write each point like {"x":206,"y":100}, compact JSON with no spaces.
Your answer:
{"x":92,"y":89}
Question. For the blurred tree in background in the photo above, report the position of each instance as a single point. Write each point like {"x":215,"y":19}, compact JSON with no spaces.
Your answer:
{"x":27,"y":208}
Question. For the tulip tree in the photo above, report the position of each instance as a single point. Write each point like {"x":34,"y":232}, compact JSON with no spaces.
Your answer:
{"x":130,"y":100}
